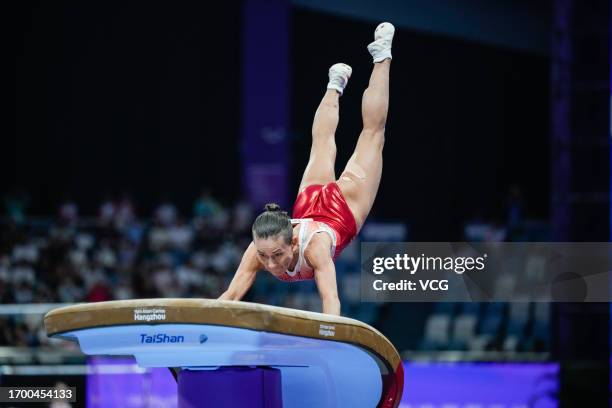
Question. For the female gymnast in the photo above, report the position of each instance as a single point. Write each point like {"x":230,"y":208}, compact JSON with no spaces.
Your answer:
{"x":328,"y":213}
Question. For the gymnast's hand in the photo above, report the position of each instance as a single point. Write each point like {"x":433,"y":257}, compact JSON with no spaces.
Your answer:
{"x":318,"y":256}
{"x":245,"y":275}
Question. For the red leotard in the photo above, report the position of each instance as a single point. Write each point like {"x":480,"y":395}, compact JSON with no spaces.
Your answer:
{"x":326,"y":204}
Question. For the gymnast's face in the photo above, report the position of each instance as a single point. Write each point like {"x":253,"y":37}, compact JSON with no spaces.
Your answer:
{"x":274,"y":253}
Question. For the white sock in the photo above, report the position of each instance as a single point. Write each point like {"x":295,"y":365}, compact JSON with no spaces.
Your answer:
{"x":337,"y":84}
{"x":380,"y":49}
{"x":339,"y":75}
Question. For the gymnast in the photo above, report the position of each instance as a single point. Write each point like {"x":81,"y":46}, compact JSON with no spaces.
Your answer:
{"x":328,"y":213}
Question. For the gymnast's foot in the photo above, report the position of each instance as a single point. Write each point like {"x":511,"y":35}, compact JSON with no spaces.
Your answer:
{"x":339,"y":75}
{"x":381,"y":47}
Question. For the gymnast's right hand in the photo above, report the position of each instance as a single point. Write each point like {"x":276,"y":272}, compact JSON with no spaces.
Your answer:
{"x":244,"y":277}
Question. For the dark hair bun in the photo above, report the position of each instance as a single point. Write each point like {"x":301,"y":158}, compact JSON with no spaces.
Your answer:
{"x":272,"y":207}
{"x":272,"y":222}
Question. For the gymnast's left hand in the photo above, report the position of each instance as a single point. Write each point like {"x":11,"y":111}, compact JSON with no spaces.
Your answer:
{"x":318,"y":256}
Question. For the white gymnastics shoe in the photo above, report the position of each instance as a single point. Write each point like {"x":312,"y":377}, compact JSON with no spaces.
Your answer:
{"x":380,"y":49}
{"x":339,"y":75}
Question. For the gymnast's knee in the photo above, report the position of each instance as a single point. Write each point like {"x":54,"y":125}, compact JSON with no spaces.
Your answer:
{"x":374,"y":135}
{"x":353,"y":172}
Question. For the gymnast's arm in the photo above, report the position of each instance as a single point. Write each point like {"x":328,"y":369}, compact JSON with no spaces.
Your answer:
{"x":244,"y":277}
{"x":317,"y":255}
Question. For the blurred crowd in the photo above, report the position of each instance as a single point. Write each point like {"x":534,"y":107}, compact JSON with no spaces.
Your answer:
{"x":119,"y":255}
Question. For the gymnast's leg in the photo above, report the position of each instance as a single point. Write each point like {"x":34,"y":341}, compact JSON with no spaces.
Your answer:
{"x":360,"y":180}
{"x":320,"y":168}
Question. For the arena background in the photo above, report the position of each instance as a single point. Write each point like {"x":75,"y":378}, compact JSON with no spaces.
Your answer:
{"x":132,"y":169}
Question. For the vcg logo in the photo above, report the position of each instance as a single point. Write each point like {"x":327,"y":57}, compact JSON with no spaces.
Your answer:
{"x":161,"y":338}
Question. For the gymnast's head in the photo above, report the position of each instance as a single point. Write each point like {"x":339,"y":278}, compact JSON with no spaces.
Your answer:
{"x":273,"y":239}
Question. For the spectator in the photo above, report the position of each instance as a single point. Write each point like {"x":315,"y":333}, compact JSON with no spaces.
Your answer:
{"x":68,"y":291}
{"x":107,"y":212}
{"x":124,"y":212}
{"x":189,"y":276}
{"x":166,"y":213}
{"x":99,"y":292}
{"x":68,"y":212}
{"x":242,"y":217}
{"x":205,"y":206}
{"x":15,"y":206}
{"x":180,"y":236}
